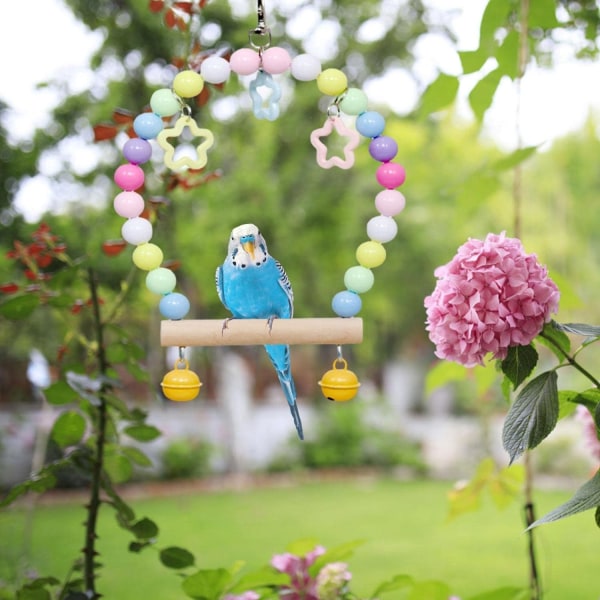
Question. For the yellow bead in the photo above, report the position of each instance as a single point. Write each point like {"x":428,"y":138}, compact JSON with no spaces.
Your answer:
{"x":147,"y":257}
{"x":188,"y":84}
{"x":332,"y":82}
{"x":370,"y":254}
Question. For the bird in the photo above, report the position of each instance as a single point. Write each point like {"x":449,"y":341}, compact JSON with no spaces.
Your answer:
{"x":252,"y":284}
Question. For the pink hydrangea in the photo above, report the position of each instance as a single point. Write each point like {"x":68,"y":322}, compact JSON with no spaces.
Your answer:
{"x":489,"y":297}
{"x":590,"y":435}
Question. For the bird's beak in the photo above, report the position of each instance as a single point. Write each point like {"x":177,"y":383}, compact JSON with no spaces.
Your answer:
{"x":249,"y":248}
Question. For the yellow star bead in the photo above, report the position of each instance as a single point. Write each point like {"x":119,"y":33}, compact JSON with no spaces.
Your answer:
{"x":185,"y":161}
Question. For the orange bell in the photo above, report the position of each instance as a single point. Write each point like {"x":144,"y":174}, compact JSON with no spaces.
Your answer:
{"x":181,"y":384}
{"x":339,"y":385}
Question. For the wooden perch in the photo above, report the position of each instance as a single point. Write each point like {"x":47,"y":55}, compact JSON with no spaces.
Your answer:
{"x":254,"y":332}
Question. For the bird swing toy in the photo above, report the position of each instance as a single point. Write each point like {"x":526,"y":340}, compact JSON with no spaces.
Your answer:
{"x":251,"y":284}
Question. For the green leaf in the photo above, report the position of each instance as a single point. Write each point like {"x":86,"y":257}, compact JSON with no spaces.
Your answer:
{"x":579,"y":329}
{"x":207,"y":584}
{"x":481,"y":96}
{"x":33,"y":593}
{"x":176,"y":558}
{"x":262,"y":578}
{"x":19,"y":307}
{"x":118,"y":467}
{"x":519,"y":363}
{"x":585,"y":498}
{"x":566,"y":403}
{"x":472,"y":60}
{"x":556,"y":340}
{"x":494,"y":16}
{"x":336,"y":554}
{"x":68,"y":429}
{"x":507,"y":55}
{"x":440,"y":94}
{"x":589,"y":398}
{"x":532,"y":416}
{"x":76,"y":596}
{"x":597,"y":516}
{"x":136,"y":456}
{"x":399,"y":582}
{"x":137,"y":547}
{"x":144,"y":529}
{"x":60,"y":393}
{"x":442,"y":373}
{"x":143,"y":433}
{"x":542,"y":14}
{"x":510,"y":161}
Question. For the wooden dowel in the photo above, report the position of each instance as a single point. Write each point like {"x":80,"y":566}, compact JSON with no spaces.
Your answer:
{"x":254,"y":332}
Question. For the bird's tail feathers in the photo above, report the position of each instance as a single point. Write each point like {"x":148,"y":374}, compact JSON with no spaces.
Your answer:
{"x":280,"y":357}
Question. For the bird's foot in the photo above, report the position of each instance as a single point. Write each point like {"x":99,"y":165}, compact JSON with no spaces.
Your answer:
{"x":225,"y":324}
{"x":270,"y":322}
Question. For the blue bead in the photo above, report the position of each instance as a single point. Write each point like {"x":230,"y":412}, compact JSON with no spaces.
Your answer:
{"x":370,"y":124}
{"x":346,"y":304}
{"x":147,"y":125}
{"x":174,"y":306}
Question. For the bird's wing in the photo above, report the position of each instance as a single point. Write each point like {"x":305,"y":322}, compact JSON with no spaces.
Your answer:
{"x":286,"y":286}
{"x":219,"y":283}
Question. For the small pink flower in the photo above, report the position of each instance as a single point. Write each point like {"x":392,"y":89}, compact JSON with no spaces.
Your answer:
{"x":245,"y":596}
{"x":490,"y":296}
{"x":332,"y":581}
{"x":302,"y":585}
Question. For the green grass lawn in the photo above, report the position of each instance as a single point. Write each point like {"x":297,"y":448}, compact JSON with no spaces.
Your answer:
{"x":403,"y":524}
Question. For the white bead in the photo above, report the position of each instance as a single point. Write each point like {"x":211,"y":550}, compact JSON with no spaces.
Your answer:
{"x":136,"y":231}
{"x":215,"y":69}
{"x":306,"y":67}
{"x":382,"y":229}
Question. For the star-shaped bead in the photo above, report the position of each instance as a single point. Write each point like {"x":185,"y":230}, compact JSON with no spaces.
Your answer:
{"x":335,"y":161}
{"x":271,"y":110}
{"x":185,"y":161}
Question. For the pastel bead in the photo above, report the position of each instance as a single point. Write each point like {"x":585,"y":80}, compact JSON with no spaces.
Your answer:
{"x":137,"y":150}
{"x":165,"y":103}
{"x":128,"y":204}
{"x":383,"y":148}
{"x":276,"y":60}
{"x":174,"y":306}
{"x":390,"y":202}
{"x":244,"y":61}
{"x":332,"y":82}
{"x":305,"y":67}
{"x":370,"y":124}
{"x":359,"y":279}
{"x":188,"y":84}
{"x":382,"y":229}
{"x":390,"y":175}
{"x":147,"y":256}
{"x":215,"y":69}
{"x":147,"y":125}
{"x":136,"y":231}
{"x":346,"y":304}
{"x":354,"y":102}
{"x":129,"y":177}
{"x":161,"y":281}
{"x":370,"y":254}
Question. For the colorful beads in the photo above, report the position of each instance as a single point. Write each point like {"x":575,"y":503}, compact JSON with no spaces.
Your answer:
{"x":305,"y":67}
{"x":390,"y":202}
{"x":128,"y":204}
{"x":147,"y":125}
{"x":346,"y":304}
{"x":390,"y":175}
{"x":129,"y":177}
{"x":215,"y":69}
{"x":188,"y":84}
{"x":174,"y":306}
{"x":245,"y":61}
{"x":354,"y":102}
{"x":370,"y":124}
{"x":332,"y":82}
{"x":370,"y":254}
{"x":165,"y":103}
{"x":137,"y":151}
{"x":161,"y":281}
{"x":276,"y":60}
{"x":383,"y":148}
{"x":147,"y":256}
{"x":136,"y":231}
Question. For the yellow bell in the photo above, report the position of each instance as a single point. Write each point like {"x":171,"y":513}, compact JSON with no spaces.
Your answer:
{"x":181,"y":384}
{"x":341,"y":384}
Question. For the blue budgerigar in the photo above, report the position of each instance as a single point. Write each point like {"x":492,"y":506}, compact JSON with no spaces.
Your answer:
{"x":253,"y":285}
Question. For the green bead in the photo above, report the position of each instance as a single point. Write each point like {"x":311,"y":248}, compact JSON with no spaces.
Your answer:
{"x":359,"y":279}
{"x":161,"y":281}
{"x":164,"y":103}
{"x":354,"y":102}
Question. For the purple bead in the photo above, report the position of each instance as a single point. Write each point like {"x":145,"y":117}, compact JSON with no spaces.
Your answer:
{"x":383,"y":148}
{"x":137,"y":151}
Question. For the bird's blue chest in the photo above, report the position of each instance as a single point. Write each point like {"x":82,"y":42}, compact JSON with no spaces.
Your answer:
{"x":254,"y":292}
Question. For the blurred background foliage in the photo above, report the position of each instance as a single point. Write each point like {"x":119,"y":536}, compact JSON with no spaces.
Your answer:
{"x":264,"y":172}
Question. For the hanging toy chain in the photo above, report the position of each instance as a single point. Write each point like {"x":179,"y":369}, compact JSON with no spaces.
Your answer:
{"x":264,"y":61}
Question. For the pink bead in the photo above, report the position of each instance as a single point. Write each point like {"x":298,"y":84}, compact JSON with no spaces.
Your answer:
{"x":390,"y":175}
{"x":129,"y":204}
{"x":276,"y":60}
{"x":389,"y":202}
{"x":129,"y":177}
{"x":244,"y":61}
